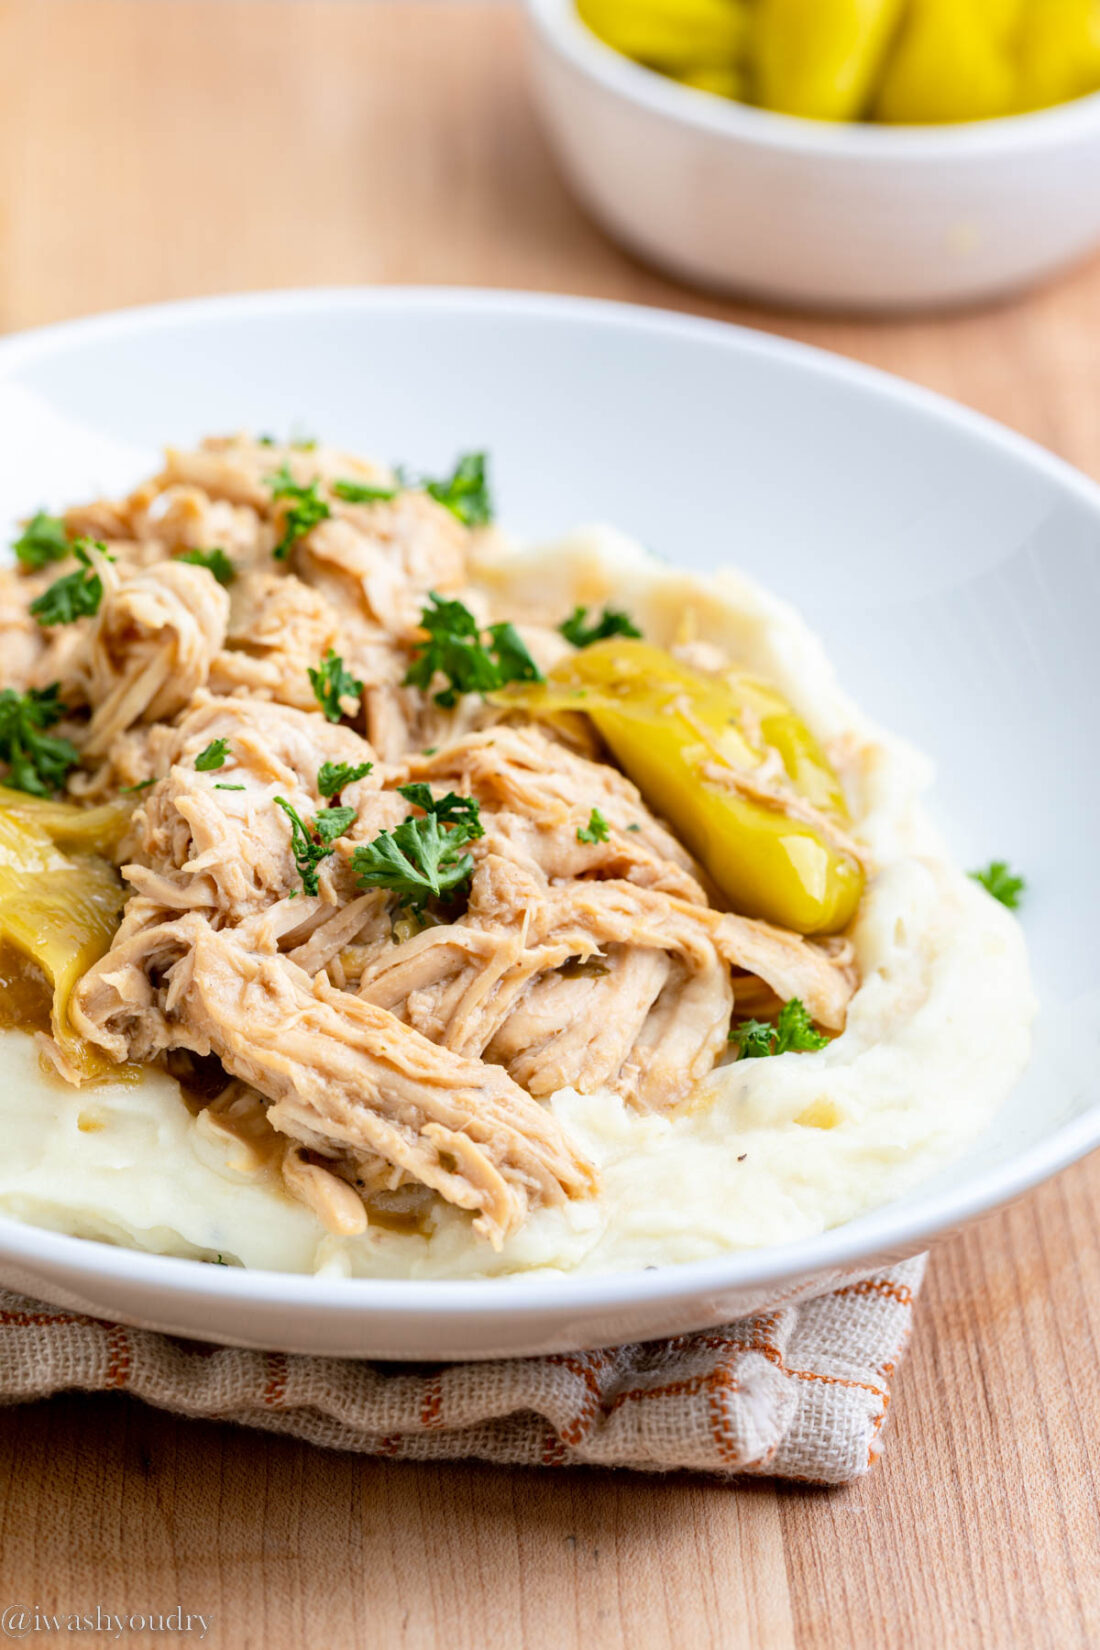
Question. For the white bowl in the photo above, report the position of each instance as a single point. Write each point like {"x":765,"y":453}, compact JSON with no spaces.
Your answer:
{"x":951,"y":567}
{"x":809,"y":212}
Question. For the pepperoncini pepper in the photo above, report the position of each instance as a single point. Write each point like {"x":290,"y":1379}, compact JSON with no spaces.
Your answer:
{"x":1058,"y":49}
{"x":954,"y":61}
{"x":819,"y":58}
{"x":61,"y":913}
{"x":676,"y":36}
{"x":698,"y":749}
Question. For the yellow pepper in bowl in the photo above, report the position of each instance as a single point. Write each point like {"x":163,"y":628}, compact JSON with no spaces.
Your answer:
{"x":911,"y":62}
{"x":819,"y":58}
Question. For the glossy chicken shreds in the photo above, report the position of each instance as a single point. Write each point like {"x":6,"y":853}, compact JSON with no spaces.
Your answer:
{"x":278,"y":736}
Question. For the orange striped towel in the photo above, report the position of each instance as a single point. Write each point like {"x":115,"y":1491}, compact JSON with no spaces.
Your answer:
{"x":798,"y":1393}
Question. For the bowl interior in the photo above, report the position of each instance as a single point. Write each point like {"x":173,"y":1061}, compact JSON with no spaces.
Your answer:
{"x":952,"y":569}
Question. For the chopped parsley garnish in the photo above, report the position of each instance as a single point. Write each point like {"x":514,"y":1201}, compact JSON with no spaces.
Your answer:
{"x":422,"y":857}
{"x":465,"y":493}
{"x":332,"y":684}
{"x":634,"y":827}
{"x":215,"y":561}
{"x":610,"y":623}
{"x":333,"y":776}
{"x":224,"y":787}
{"x":362,"y":492}
{"x":455,"y":649}
{"x":142,"y":785}
{"x":307,"y":508}
{"x":213,"y":756}
{"x":42,"y":540}
{"x":75,"y":595}
{"x":792,"y":1033}
{"x":998,"y":879}
{"x":38,"y":762}
{"x":310,"y":845}
{"x":454,"y":810}
{"x":513,"y":660}
{"x":597,"y":829}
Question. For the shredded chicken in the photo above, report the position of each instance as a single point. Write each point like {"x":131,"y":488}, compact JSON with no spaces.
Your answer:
{"x":150,"y":647}
{"x":375,"y":1062}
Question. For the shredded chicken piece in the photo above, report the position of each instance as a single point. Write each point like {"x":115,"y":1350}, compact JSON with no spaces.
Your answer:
{"x":278,"y":627}
{"x":339,"y":1072}
{"x":198,"y":845}
{"x":150,"y":647}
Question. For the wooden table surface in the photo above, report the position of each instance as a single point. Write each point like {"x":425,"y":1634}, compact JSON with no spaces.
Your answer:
{"x":154,"y":149}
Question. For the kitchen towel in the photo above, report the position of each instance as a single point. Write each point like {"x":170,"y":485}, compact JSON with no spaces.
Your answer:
{"x":799,"y":1393}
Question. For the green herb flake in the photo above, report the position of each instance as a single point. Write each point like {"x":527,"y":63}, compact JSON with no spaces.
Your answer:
{"x":422,"y":857}
{"x":75,"y":595}
{"x":455,"y":649}
{"x":465,"y":493}
{"x":333,"y":684}
{"x":333,"y":776}
{"x":213,"y":756}
{"x":307,"y":509}
{"x":38,"y":762}
{"x":224,"y":787}
{"x":597,"y":829}
{"x":215,"y":561}
{"x":363,"y":492}
{"x":42,"y":540}
{"x":792,"y":1033}
{"x":998,"y":879}
{"x":610,"y":623}
{"x":311,"y":845}
{"x":131,"y":790}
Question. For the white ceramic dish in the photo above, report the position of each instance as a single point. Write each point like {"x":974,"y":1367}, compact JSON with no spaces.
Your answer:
{"x":951,"y":567}
{"x":806,"y":212}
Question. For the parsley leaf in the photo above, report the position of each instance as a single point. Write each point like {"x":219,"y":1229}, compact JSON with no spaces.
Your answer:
{"x":307,"y":508}
{"x":215,"y":561}
{"x":38,"y":761}
{"x":596,"y":830}
{"x":610,"y":623}
{"x":333,"y":776}
{"x":329,"y":823}
{"x":465,"y":492}
{"x":362,"y":492}
{"x":332,"y":684}
{"x":792,"y":1033}
{"x":75,"y":595}
{"x":308,"y":851}
{"x":419,"y":858}
{"x":459,"y":811}
{"x":42,"y":540}
{"x":998,"y":879}
{"x":142,"y":785}
{"x":455,"y":649}
{"x":513,"y":660}
{"x":213,"y":756}
{"x":229,"y":787}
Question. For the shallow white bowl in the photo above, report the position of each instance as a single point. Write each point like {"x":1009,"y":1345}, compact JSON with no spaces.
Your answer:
{"x":809,"y":212}
{"x":953,"y":569}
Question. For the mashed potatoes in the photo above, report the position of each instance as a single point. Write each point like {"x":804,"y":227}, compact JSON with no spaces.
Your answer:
{"x":768,"y":1151}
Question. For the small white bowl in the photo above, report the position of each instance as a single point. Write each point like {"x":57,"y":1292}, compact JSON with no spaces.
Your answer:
{"x":810,"y":212}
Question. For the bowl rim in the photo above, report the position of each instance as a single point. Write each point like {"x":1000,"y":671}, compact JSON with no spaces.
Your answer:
{"x":557,"y":23}
{"x":892,"y":1229}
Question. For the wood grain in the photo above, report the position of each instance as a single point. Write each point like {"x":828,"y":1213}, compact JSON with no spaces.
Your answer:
{"x":153,"y":149}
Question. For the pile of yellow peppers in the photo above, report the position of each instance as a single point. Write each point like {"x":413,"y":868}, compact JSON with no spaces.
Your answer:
{"x":904,"y":62}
